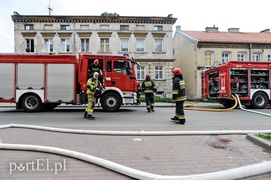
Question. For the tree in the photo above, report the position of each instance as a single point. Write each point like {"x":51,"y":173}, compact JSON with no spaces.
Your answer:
{"x":109,"y":14}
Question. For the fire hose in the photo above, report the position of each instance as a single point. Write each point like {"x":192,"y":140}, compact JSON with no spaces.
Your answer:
{"x":187,"y":106}
{"x":237,"y":173}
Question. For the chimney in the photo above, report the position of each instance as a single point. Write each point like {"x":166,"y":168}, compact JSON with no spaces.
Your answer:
{"x":211,"y":29}
{"x":233,"y":30}
{"x":16,"y":13}
{"x":265,"y":31}
{"x":178,"y":28}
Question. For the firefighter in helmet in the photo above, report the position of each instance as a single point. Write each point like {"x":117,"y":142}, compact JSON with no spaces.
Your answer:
{"x":178,"y":96}
{"x":95,"y":67}
{"x":148,"y":88}
{"x":94,"y":88}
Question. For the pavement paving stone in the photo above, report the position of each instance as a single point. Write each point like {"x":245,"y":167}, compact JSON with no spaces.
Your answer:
{"x":164,"y":155}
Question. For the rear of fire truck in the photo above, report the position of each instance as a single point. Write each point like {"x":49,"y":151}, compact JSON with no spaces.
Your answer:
{"x":249,"y":80}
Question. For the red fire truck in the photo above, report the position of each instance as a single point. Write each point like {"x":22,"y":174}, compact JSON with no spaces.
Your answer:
{"x":38,"y":82}
{"x":250,"y":80}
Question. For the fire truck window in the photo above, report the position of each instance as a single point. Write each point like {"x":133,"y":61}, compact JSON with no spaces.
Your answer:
{"x":121,"y":67}
{"x":109,"y":66}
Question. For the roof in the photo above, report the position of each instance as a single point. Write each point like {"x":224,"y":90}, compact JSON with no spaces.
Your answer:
{"x":94,"y":19}
{"x":229,"y":37}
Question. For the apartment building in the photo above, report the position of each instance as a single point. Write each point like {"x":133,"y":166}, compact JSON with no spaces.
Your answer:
{"x":147,"y":39}
{"x":196,"y":50}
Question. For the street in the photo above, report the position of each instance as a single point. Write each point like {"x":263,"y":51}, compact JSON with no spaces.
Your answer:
{"x":175,"y":155}
{"x":137,"y":117}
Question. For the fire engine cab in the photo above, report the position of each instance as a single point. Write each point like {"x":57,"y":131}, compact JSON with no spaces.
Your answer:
{"x":37,"y":82}
{"x":249,"y":80}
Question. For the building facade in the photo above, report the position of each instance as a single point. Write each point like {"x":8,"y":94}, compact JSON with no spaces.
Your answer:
{"x":196,"y":50}
{"x":147,"y":39}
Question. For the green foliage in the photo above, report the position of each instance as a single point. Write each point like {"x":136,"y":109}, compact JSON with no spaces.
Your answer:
{"x":265,"y":136}
{"x":157,"y":99}
{"x":109,"y":14}
{"x":169,"y":100}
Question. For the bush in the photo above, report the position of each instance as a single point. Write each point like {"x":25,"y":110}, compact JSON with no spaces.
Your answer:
{"x":169,"y":100}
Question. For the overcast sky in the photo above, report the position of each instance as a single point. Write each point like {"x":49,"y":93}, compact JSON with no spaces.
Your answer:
{"x":249,"y":16}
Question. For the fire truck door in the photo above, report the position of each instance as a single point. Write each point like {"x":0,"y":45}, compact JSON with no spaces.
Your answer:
{"x":118,"y":73}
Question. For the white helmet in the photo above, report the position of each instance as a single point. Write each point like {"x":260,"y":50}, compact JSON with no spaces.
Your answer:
{"x":96,"y":74}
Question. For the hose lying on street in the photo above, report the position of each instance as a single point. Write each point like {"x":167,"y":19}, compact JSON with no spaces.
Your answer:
{"x":187,"y":106}
{"x":237,"y":173}
{"x":135,"y":133}
{"x":248,"y":110}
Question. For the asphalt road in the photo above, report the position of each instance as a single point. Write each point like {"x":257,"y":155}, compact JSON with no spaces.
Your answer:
{"x":137,"y":117}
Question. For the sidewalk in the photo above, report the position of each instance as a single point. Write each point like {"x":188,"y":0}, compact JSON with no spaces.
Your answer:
{"x":163,"y":155}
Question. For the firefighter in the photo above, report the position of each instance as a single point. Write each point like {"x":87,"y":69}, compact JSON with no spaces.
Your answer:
{"x":94,"y":88}
{"x":95,"y":67}
{"x":148,"y":88}
{"x":138,"y":93}
{"x":178,"y":96}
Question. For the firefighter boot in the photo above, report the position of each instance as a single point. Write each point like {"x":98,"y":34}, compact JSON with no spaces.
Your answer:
{"x":152,"y":109}
{"x":86,"y":114}
{"x":180,"y":121}
{"x":148,"y":109}
{"x":90,"y":117}
{"x":174,"y":118}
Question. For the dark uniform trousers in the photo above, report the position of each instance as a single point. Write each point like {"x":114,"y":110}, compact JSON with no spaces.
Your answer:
{"x":179,"y":112}
{"x":149,"y":100}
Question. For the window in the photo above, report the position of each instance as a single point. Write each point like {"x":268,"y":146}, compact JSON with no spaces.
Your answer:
{"x":122,"y":67}
{"x":208,"y":59}
{"x":124,"y":45}
{"x":109,"y":66}
{"x":29,"y":27}
{"x":256,"y":57}
{"x":140,"y":72}
{"x":269,"y":57}
{"x":158,"y":45}
{"x":225,"y":57}
{"x":124,"y":27}
{"x":65,"y":45}
{"x":241,"y":56}
{"x":158,"y":28}
{"x":64,"y":27}
{"x":84,"y":45}
{"x":48,"y":45}
{"x":104,"y":44}
{"x":29,"y":45}
{"x":159,"y":72}
{"x":140,"y":45}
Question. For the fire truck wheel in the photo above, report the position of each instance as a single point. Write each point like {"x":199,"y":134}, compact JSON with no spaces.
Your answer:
{"x":259,"y":100}
{"x":31,"y":103}
{"x":111,"y":102}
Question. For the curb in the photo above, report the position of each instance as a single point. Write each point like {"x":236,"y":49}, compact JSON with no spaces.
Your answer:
{"x":259,"y":141}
